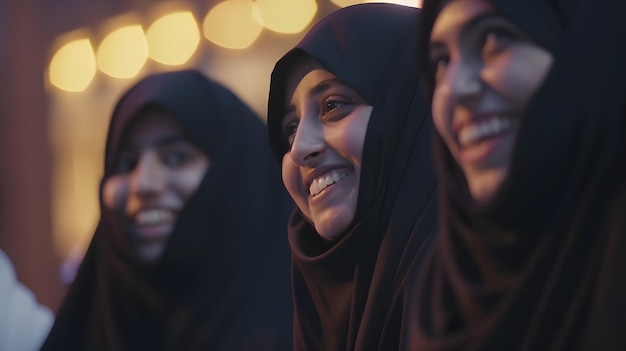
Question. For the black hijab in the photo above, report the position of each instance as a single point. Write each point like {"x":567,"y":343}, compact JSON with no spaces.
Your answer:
{"x":223,"y":280}
{"x":348,"y":293}
{"x":541,"y":266}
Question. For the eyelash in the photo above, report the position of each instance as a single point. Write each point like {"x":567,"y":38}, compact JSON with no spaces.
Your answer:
{"x":176,"y":157}
{"x":495,"y":39}
{"x":327,"y":107}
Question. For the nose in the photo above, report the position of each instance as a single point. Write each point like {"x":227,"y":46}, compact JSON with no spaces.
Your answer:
{"x":463,"y":82}
{"x":147,"y":179}
{"x":308,"y":143}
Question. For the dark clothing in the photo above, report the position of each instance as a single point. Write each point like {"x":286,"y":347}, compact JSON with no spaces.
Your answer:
{"x":541,"y":266}
{"x":223,"y":280}
{"x":348,"y":293}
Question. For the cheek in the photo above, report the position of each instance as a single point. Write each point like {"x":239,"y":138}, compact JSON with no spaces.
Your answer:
{"x":291,"y":179}
{"x":350,"y":138}
{"x":189,"y":180}
{"x":115,"y":193}
{"x":521,"y":73}
{"x":293,"y":183}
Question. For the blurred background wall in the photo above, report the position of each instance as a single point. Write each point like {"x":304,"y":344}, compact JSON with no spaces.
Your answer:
{"x":64,"y":64}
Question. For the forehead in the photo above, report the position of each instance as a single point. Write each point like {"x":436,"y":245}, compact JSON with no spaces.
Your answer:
{"x":305,"y":73}
{"x":455,"y":15}
{"x":152,"y":124}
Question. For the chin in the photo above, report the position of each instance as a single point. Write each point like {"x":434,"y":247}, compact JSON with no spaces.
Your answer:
{"x":483,"y":186}
{"x":335,"y":228}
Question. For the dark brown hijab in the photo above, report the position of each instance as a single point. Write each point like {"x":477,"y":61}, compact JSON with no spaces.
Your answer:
{"x":348,"y":293}
{"x":542,"y":265}
{"x":223,"y":280}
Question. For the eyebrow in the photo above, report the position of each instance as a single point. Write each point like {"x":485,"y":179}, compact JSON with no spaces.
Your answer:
{"x":162,"y":141}
{"x":469,"y":26}
{"x":315,"y":90}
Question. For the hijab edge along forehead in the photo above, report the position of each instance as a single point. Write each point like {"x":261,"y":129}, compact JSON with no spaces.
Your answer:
{"x":154,"y":91}
{"x":397,"y":102}
{"x":349,"y":33}
{"x":185,"y":94}
{"x":542,"y":21}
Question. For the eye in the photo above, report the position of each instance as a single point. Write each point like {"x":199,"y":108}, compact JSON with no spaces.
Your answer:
{"x":332,"y":104}
{"x":126,"y":163}
{"x":439,"y":67}
{"x":438,"y":58}
{"x":497,"y":39}
{"x":289,"y":131}
{"x":175,"y":157}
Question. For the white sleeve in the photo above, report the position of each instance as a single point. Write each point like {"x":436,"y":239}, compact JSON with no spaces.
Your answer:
{"x":24,"y":323}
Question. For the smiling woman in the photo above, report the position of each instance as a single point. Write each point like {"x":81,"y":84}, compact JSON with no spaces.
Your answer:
{"x":158,"y":171}
{"x":190,"y":252}
{"x":347,"y":121}
{"x":326,"y":131}
{"x":486,"y":70}
{"x":528,"y":102}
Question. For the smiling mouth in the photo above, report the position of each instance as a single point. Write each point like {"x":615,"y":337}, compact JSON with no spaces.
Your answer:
{"x":321,"y":183}
{"x":154,"y":217}
{"x":485,"y":129}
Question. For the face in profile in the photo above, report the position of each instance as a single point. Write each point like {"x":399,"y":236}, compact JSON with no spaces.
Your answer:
{"x":486,"y":71}
{"x":158,"y":170}
{"x":325,"y":123}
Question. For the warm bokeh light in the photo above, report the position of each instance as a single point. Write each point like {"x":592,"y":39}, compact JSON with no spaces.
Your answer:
{"x":123,"y":52}
{"x":230,"y":24}
{"x":173,"y":38}
{"x":285,"y":16}
{"x":411,"y":3}
{"x":73,"y":66}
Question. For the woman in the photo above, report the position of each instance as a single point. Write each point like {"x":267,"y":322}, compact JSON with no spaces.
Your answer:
{"x":528,"y":102}
{"x":347,"y":121}
{"x":190,"y":252}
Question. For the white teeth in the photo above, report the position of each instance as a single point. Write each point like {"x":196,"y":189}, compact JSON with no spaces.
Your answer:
{"x":321,"y":184}
{"x":475,"y":132}
{"x":154,"y":217}
{"x":324,"y":181}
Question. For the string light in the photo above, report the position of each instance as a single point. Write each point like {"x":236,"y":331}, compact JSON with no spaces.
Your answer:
{"x":123,"y":52}
{"x":73,"y":66}
{"x":285,"y":16}
{"x":173,"y":38}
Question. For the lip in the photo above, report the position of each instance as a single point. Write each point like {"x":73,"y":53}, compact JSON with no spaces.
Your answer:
{"x":150,"y":232}
{"x":458,"y":123}
{"x":318,"y":172}
{"x":321,"y":198}
{"x":480,"y":151}
{"x":153,"y":232}
{"x":477,"y":152}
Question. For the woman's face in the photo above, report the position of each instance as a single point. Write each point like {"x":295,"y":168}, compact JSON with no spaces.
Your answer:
{"x":325,"y":122}
{"x":156,"y":174}
{"x":486,"y":71}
